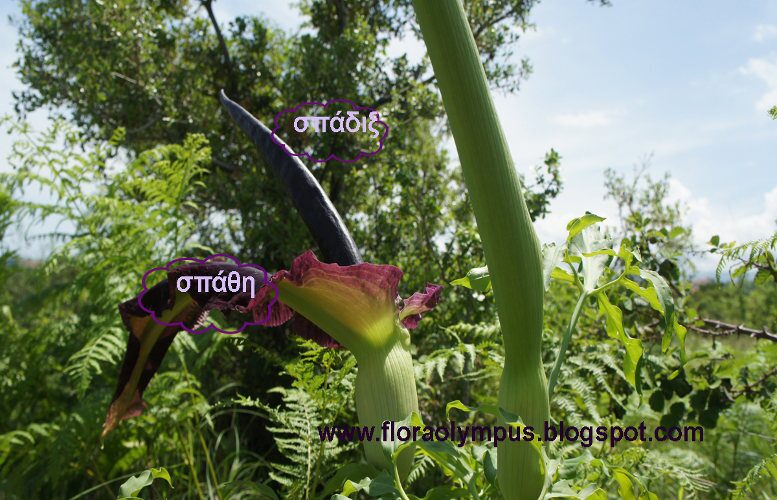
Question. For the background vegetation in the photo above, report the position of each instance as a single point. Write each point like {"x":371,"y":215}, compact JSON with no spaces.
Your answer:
{"x":142,"y":165}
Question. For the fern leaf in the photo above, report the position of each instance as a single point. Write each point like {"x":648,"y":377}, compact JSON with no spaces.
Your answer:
{"x":87,"y":362}
{"x":766,"y":469}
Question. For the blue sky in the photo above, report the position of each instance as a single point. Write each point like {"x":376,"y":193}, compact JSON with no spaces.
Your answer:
{"x":688,"y":85}
{"x":688,"y":82}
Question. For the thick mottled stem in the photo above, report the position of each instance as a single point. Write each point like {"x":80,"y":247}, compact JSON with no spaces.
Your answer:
{"x":509,"y":241}
{"x":385,"y":390}
{"x":317,"y":212}
{"x":385,"y":380}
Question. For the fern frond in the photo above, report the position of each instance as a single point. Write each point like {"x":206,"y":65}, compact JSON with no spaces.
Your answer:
{"x":766,"y":469}
{"x":89,"y":361}
{"x":421,"y":469}
{"x":749,"y":252}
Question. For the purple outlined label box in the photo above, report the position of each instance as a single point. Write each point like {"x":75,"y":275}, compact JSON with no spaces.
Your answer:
{"x":350,"y":127}
{"x":220,"y":277}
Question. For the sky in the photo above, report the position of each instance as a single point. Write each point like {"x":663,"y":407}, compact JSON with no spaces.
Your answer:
{"x":687,"y":84}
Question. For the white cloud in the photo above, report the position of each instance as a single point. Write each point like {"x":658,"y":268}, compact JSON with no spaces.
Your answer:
{"x":708,"y":219}
{"x":765,"y":69}
{"x":537,"y":33}
{"x":764,"y":32}
{"x":407,"y":44}
{"x":588,"y":119}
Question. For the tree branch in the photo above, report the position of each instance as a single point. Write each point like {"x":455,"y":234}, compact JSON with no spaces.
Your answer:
{"x":752,"y":385}
{"x":477,"y":33}
{"x":761,"y":267}
{"x":231,"y":81}
{"x":229,"y":167}
{"x":718,"y":328}
{"x":387,"y":97}
{"x":342,"y":16}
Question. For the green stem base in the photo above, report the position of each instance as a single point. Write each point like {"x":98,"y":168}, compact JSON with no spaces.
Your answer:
{"x":385,"y":390}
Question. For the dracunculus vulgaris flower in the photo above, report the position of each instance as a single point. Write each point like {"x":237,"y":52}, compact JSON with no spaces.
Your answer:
{"x":386,"y":387}
{"x":358,"y":307}
{"x":354,"y":306}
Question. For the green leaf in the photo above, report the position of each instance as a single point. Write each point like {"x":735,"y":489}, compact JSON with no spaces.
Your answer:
{"x":559,"y":274}
{"x":649,"y":294}
{"x":590,"y":246}
{"x":490,"y":466}
{"x":738,"y":271}
{"x":477,"y":279}
{"x":715,"y":240}
{"x":392,"y":449}
{"x":659,"y":297}
{"x":446,"y":492}
{"x":762,"y":276}
{"x":625,"y":486}
{"x":551,"y":256}
{"x":396,"y":447}
{"x":680,"y":331}
{"x":449,"y":457}
{"x":352,"y":472}
{"x":765,"y":470}
{"x":132,"y":486}
{"x":563,"y":489}
{"x":444,"y":454}
{"x":381,"y":485}
{"x":458,"y":405}
{"x":664,"y":295}
{"x":516,"y":422}
{"x":264,"y":492}
{"x":605,"y":251}
{"x":576,"y":225}
{"x":592,"y":492}
{"x":614,"y":326}
{"x":628,"y":254}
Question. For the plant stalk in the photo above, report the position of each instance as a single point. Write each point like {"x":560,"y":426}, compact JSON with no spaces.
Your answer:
{"x":385,"y":390}
{"x":565,"y":341}
{"x":510,"y":244}
{"x":385,"y":378}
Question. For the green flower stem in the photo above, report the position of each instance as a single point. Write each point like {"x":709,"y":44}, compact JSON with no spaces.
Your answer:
{"x":385,"y":378}
{"x":398,"y":483}
{"x":610,"y":283}
{"x":562,"y":350}
{"x":511,"y":248}
{"x":385,"y":390}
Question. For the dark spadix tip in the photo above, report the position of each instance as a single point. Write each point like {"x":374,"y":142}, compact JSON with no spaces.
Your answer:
{"x":317,"y":212}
